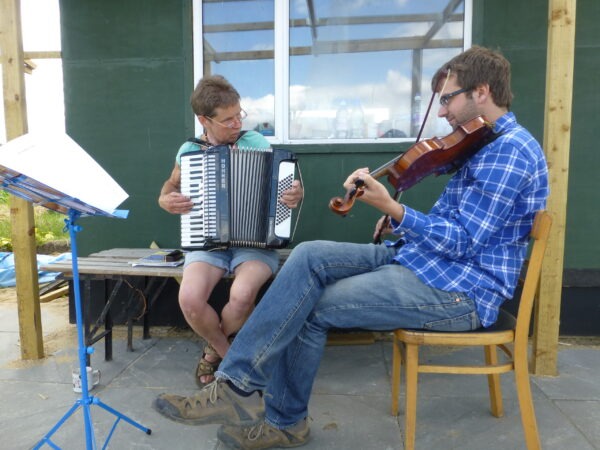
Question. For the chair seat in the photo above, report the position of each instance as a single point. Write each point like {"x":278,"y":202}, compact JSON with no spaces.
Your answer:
{"x":501,"y":332}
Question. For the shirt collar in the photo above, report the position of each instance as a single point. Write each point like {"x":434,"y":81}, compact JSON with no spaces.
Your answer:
{"x":504,"y":122}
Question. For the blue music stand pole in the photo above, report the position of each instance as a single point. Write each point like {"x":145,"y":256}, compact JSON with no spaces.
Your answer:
{"x":86,"y":400}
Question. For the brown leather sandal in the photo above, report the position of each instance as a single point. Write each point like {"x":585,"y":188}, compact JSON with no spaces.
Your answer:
{"x":207,"y":368}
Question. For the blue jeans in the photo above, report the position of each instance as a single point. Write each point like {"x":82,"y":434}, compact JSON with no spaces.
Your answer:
{"x":327,"y":285}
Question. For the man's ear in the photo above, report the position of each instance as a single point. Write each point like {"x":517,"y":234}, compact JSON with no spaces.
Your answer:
{"x":482,"y":93}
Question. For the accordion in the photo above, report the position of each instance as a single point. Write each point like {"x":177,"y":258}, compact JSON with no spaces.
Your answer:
{"x":236,"y":198}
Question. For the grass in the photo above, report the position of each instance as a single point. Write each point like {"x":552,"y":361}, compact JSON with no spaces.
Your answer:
{"x":49,"y":225}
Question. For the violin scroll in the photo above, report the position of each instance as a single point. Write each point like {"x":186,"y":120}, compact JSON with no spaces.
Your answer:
{"x":341,"y":205}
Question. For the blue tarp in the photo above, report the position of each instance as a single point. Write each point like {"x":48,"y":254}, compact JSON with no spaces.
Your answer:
{"x":7,"y":268}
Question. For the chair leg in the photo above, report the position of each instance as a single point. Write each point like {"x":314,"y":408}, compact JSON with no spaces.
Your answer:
{"x":396,"y":374}
{"x":491,"y":358}
{"x":410,"y":413}
{"x":530,"y":429}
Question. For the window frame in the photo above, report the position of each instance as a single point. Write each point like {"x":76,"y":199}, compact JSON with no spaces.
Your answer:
{"x":281,"y":75}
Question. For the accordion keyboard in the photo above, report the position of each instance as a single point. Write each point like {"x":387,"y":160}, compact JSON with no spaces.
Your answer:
{"x":199,"y":184}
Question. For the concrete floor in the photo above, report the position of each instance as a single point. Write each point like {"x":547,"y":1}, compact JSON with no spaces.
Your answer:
{"x":349,"y":408}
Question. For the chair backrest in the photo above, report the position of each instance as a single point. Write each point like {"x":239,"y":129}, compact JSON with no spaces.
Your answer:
{"x":539,"y":236}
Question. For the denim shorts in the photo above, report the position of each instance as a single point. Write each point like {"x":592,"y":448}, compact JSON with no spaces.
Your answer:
{"x":228,"y":259}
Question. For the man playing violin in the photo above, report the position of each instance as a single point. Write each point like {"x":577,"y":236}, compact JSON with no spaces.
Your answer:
{"x":450,"y":270}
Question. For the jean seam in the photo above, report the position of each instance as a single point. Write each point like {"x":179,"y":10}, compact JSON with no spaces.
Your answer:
{"x":316,"y":275}
{"x":258,"y":360}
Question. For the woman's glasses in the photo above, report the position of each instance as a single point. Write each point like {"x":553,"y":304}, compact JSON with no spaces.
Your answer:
{"x":230,"y":123}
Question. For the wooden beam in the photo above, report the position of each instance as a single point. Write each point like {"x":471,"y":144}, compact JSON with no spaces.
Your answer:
{"x":21,"y":211}
{"x":441,"y":21}
{"x":51,"y":54}
{"x":57,"y":293}
{"x":557,"y":138}
{"x":29,"y":66}
{"x":350,"y":338}
{"x":331,"y":21}
{"x":332,"y":47}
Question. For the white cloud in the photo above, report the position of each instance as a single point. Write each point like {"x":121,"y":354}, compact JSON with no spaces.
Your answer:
{"x":313,"y":108}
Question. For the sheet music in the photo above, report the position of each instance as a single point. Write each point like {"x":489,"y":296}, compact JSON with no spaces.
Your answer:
{"x":60,"y":163}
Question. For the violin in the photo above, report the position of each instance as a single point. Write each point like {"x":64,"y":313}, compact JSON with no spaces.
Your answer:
{"x":429,"y":156}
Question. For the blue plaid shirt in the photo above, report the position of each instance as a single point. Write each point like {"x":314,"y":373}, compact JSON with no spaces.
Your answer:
{"x":474,"y":240}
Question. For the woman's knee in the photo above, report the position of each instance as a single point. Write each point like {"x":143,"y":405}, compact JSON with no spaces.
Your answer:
{"x":242,"y":298}
{"x":190,"y":304}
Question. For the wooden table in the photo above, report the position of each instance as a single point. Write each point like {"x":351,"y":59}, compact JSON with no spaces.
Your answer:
{"x":114,"y":261}
{"x":114,"y":264}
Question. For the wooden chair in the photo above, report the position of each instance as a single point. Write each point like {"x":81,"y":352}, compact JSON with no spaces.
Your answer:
{"x":508,"y":330}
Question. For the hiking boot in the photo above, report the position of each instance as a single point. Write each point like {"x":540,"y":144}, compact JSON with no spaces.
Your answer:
{"x":263,"y":436}
{"x":216,"y":403}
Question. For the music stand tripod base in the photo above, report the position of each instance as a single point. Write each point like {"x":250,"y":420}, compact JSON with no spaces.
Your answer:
{"x":86,"y":400}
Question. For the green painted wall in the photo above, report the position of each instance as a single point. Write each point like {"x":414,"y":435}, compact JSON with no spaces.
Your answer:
{"x":128,"y":76}
{"x":519,"y":29}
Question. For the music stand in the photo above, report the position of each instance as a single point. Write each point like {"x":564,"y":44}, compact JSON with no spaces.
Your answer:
{"x":32,"y":190}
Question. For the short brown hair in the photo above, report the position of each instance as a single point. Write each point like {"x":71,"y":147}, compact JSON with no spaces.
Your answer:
{"x":476,"y":66}
{"x":212,"y":92}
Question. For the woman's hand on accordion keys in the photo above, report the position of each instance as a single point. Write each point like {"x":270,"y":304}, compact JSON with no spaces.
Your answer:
{"x":176,"y":203}
{"x":293,"y":195}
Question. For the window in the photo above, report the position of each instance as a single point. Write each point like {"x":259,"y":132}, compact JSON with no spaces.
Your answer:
{"x":331,"y":70}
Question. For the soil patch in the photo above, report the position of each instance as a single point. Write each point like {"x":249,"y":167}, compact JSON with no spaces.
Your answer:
{"x":54,"y":247}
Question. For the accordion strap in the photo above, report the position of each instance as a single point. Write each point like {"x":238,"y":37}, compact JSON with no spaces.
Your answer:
{"x":200,"y":142}
{"x":205,"y":144}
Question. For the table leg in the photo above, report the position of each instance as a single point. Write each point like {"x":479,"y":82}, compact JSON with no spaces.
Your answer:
{"x":155,"y":295}
{"x":104,"y":318}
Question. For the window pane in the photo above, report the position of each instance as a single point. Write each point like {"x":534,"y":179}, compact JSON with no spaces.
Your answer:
{"x":239,"y":44}
{"x":363,"y":69}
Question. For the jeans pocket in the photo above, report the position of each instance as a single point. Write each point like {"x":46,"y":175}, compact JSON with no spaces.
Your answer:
{"x":466,"y":322}
{"x":462,"y":316}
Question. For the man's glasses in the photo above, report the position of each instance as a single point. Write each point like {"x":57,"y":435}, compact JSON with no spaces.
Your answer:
{"x":230,"y":123}
{"x":445,"y":99}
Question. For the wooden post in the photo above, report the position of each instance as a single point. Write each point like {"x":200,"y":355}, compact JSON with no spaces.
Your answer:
{"x":21,"y":211}
{"x":557,"y":138}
